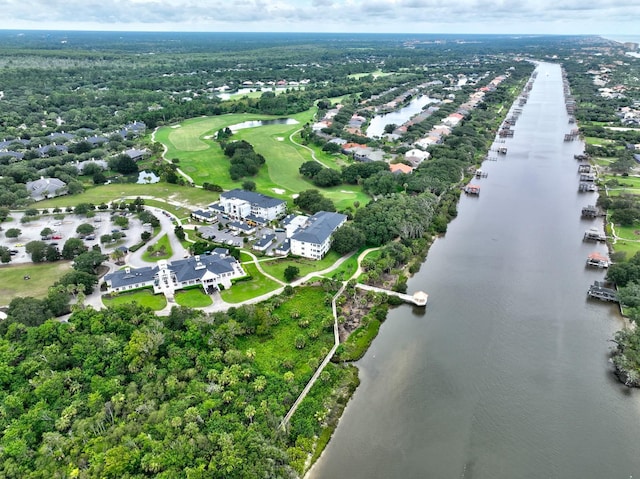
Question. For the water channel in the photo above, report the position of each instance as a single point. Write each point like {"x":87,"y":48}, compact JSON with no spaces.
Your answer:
{"x":506,"y":373}
{"x":415,"y":106}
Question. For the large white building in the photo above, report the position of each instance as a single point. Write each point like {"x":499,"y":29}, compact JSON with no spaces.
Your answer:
{"x":209,"y":271}
{"x":314,"y":240}
{"x":241,"y":204}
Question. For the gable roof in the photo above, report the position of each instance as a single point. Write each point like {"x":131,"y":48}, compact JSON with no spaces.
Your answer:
{"x":321,"y":227}
{"x":257,"y":199}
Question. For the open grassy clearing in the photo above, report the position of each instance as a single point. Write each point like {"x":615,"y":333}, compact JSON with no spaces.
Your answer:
{"x":630,"y":233}
{"x":42,"y":275}
{"x":277,"y":266}
{"x":178,"y":211}
{"x":143,"y":297}
{"x":162,"y":244}
{"x":196,"y":197}
{"x":193,"y":298}
{"x":258,"y":285}
{"x":591,"y":140}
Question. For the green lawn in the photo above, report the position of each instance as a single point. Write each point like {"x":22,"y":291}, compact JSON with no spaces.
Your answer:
{"x":178,"y":211}
{"x":193,"y":298}
{"x":201,"y":158}
{"x":163,"y":242}
{"x":256,"y":286}
{"x":346,"y":269}
{"x":144,"y":297}
{"x":277,"y":266}
{"x":196,"y":197}
{"x":42,"y":276}
{"x":591,"y":140}
{"x":628,"y":232}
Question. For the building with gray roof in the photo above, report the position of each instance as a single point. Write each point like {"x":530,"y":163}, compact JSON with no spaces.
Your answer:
{"x":241,"y":204}
{"x":46,"y":188}
{"x":314,"y":240}
{"x":209,"y":271}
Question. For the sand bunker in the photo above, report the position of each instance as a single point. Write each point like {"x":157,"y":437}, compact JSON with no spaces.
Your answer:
{"x":176,"y":126}
{"x":280,"y":138}
{"x":278,"y":191}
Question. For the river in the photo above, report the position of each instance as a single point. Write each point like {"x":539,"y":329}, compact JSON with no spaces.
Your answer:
{"x":506,"y":373}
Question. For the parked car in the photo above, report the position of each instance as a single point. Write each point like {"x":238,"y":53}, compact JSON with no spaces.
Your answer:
{"x":90,"y":237}
{"x":56,"y":237}
{"x":13,"y":252}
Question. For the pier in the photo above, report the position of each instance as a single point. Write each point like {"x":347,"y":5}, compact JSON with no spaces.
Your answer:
{"x":419,"y":298}
{"x":472,"y":189}
{"x":592,"y":234}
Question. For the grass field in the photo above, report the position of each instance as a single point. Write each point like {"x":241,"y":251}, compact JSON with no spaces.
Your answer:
{"x":201,"y":158}
{"x":193,"y":298}
{"x":143,"y":297}
{"x":196,"y":197}
{"x":42,"y":276}
{"x":163,"y":242}
{"x":277,"y":266}
{"x":178,"y":211}
{"x":258,"y":285}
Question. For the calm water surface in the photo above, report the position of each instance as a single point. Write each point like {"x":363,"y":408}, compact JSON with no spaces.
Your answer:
{"x":415,"y":106}
{"x":506,"y":374}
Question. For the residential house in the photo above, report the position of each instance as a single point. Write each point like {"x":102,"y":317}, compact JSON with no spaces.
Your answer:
{"x":136,"y":154}
{"x":398,"y":168}
{"x":46,"y":188}
{"x":314,"y":240}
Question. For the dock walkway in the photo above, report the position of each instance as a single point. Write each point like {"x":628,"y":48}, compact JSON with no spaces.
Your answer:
{"x":419,"y":298}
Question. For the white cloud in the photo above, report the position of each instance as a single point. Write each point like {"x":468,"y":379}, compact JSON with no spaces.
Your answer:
{"x":486,"y":16}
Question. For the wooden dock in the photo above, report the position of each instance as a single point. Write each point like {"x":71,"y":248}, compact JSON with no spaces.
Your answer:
{"x":603,"y":291}
{"x":592,"y":234}
{"x":419,"y":298}
{"x":472,"y":189}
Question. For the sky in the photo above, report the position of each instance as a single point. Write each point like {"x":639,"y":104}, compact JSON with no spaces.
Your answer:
{"x":600,"y":17}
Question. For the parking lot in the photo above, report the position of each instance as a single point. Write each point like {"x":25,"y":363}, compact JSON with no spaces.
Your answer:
{"x":231,"y":237}
{"x":64,"y":229}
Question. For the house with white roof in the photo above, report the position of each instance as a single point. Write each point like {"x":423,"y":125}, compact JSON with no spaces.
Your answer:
{"x":314,"y":240}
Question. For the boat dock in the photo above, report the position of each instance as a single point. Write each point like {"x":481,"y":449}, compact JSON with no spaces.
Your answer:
{"x":598,"y":260}
{"x":481,"y":174}
{"x":592,"y":234}
{"x":472,"y":189}
{"x":587,"y":187}
{"x":419,"y":298}
{"x":603,"y":291}
{"x":591,"y":211}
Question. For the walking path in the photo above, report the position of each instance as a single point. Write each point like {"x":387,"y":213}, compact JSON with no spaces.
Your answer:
{"x":164,"y":152}
{"x":313,"y":153}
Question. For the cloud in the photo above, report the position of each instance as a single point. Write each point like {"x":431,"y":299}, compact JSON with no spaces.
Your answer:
{"x":491,"y":16}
